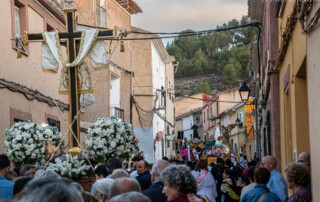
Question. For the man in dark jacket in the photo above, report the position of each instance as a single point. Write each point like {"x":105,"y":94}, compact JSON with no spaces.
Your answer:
{"x":144,"y":177}
{"x":154,"y":192}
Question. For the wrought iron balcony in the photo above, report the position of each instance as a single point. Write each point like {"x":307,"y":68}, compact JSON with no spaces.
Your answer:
{"x":117,"y":113}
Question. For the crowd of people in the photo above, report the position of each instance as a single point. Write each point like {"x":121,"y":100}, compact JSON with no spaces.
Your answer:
{"x":171,"y":180}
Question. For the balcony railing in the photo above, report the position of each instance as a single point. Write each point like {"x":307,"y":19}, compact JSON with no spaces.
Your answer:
{"x":117,"y":113}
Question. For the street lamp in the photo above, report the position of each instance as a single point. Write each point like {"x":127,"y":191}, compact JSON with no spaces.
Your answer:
{"x":244,"y":92}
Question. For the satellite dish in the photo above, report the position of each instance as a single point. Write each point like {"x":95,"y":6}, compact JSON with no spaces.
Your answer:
{"x":159,"y":136}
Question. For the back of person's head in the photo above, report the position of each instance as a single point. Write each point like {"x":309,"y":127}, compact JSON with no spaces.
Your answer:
{"x":113,"y":164}
{"x":229,"y":162}
{"x":77,"y":185}
{"x":158,"y":168}
{"x":220,"y":160}
{"x":201,"y":165}
{"x":50,"y":189}
{"x":88,"y":197}
{"x":228,"y":171}
{"x":254,"y":163}
{"x":165,"y":158}
{"x":20,"y":184}
{"x":46,"y":174}
{"x":250,"y":174}
{"x":4,"y":161}
{"x":137,"y":158}
{"x":130,"y":196}
{"x":181,"y":178}
{"x":101,"y":170}
{"x":298,"y":174}
{"x":25,"y":168}
{"x":11,"y":175}
{"x":119,"y":173}
{"x":124,"y":185}
{"x":190,"y":165}
{"x":103,"y":186}
{"x":261,"y":176}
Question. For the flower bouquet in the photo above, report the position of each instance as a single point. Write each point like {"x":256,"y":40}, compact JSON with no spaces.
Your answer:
{"x":109,"y":138}
{"x":70,"y":167}
{"x":25,"y":142}
{"x":216,"y":153}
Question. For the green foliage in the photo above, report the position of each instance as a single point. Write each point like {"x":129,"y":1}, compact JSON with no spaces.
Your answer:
{"x":205,"y":87}
{"x":225,"y":53}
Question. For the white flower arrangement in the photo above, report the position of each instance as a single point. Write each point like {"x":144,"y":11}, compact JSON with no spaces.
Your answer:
{"x":25,"y":142}
{"x":109,"y":138}
{"x":70,"y":167}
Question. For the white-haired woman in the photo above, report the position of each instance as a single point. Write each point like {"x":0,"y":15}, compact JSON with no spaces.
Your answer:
{"x":103,"y":189}
{"x":180,"y":185}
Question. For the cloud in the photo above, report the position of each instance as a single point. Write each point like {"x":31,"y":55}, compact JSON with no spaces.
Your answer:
{"x":178,"y":15}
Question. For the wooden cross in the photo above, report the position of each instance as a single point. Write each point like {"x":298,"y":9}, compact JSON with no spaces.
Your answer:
{"x":72,"y":39}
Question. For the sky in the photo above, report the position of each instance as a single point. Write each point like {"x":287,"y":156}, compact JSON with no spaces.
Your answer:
{"x":179,"y":15}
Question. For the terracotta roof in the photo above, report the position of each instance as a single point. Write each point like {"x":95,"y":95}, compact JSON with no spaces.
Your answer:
{"x":131,"y":6}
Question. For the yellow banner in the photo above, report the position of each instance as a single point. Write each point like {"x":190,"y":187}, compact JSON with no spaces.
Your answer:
{"x":249,"y":120}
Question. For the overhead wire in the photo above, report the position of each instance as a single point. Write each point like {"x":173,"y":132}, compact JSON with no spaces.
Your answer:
{"x":178,"y":34}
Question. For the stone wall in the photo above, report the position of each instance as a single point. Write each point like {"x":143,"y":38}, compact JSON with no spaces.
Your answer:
{"x":189,"y":85}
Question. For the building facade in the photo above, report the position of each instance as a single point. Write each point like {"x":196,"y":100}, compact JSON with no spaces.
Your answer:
{"x":267,"y":76}
{"x":291,"y":63}
{"x":28,"y":91}
{"x":153,"y":100}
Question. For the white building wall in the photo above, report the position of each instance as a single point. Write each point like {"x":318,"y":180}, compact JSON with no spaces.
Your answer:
{"x":158,"y":81}
{"x":144,"y":134}
{"x":187,"y":123}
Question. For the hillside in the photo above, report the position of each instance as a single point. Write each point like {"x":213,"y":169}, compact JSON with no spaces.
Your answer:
{"x":212,"y":61}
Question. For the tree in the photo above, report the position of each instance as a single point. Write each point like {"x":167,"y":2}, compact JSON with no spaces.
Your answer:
{"x":225,"y":53}
{"x":205,"y":87}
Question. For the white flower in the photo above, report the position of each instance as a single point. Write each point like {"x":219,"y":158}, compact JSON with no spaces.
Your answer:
{"x":109,"y":122}
{"x":100,"y":144}
{"x":113,"y":144}
{"x":120,"y":148}
{"x":19,"y":137}
{"x":48,"y":132}
{"x":89,"y":143}
{"x":27,"y":126}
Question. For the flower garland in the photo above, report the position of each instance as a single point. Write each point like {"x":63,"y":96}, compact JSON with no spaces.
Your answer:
{"x":70,"y":167}
{"x":25,"y":142}
{"x":109,"y":138}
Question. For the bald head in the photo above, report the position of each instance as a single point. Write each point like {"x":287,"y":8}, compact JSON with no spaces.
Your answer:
{"x":124,"y":185}
{"x":304,"y":158}
{"x":119,"y":173}
{"x":157,"y":169}
{"x":269,"y":162}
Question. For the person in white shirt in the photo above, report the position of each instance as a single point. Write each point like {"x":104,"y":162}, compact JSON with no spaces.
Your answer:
{"x":205,"y":181}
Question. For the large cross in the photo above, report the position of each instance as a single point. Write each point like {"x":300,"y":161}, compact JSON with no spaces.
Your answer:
{"x":72,"y":39}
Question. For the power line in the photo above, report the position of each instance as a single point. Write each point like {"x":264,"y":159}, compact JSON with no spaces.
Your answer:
{"x":180,"y":34}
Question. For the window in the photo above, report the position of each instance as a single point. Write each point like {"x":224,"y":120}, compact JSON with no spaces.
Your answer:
{"x":53,"y":122}
{"x":19,"y":25}
{"x":17,"y":120}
